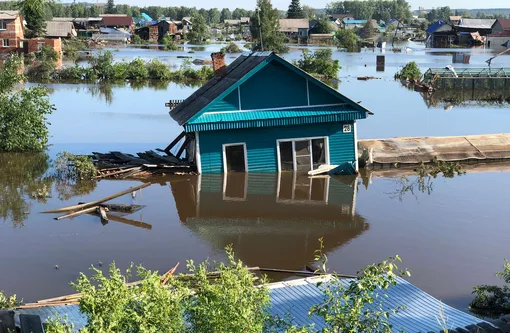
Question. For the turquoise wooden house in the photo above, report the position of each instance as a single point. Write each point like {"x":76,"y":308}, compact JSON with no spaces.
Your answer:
{"x":263,"y":114}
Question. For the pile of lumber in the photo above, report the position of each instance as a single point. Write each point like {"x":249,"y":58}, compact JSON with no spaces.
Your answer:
{"x":119,"y":165}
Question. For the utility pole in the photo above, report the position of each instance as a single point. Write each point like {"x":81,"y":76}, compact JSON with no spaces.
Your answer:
{"x":260,"y":31}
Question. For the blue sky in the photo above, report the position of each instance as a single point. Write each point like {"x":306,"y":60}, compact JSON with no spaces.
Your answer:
{"x":283,"y":4}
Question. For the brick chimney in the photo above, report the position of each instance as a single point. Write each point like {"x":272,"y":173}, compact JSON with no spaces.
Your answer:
{"x":219,"y":66}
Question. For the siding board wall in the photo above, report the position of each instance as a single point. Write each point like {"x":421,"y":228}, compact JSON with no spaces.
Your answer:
{"x":261,"y":145}
{"x":273,"y":86}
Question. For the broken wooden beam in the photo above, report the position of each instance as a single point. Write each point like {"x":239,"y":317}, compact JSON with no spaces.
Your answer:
{"x":100,"y":201}
{"x":78,"y":213}
{"x":173,"y":143}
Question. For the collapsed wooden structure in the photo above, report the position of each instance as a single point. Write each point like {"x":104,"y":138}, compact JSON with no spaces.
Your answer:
{"x":116,"y":164}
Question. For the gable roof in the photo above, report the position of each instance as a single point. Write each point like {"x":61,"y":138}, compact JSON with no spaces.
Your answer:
{"x":505,"y":23}
{"x":476,"y":23}
{"x":59,"y":29}
{"x":293,"y":25}
{"x":9,"y":14}
{"x":238,"y":72}
{"x":118,"y":20}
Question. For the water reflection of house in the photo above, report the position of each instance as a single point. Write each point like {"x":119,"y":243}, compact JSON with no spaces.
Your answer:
{"x":273,"y":220}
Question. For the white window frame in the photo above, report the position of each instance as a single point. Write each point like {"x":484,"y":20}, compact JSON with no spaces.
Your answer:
{"x":4,"y":23}
{"x":224,"y":153}
{"x":293,"y":140}
{"x":8,"y":42}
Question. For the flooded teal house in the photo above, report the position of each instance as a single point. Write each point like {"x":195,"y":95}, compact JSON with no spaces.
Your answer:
{"x":263,"y":114}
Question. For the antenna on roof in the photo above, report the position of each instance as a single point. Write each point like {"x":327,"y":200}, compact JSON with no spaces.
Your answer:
{"x":260,"y":30}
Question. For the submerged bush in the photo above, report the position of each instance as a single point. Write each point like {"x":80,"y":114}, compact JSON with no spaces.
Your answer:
{"x":158,"y":70}
{"x":136,"y":70}
{"x":169,"y":43}
{"x":411,"y":71}
{"x":72,"y":47}
{"x":493,"y":301}
{"x":231,"y":48}
{"x":74,"y":167}
{"x":320,"y":62}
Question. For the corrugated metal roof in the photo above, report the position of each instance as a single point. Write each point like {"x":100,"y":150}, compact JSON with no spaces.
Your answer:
{"x":355,"y":21}
{"x":9,"y":14}
{"x":476,"y":23}
{"x":293,"y":25}
{"x":217,"y":85}
{"x":295,"y":298}
{"x":236,"y":120}
{"x":59,"y":29}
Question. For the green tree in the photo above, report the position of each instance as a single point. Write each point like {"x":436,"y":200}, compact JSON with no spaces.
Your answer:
{"x":23,"y":124}
{"x":295,"y":10}
{"x":112,"y":306}
{"x":320,"y":62}
{"x":110,"y":7}
{"x":231,"y":303}
{"x":441,"y":13}
{"x":214,"y":16}
{"x":225,"y":14}
{"x":309,"y":12}
{"x":238,"y":13}
{"x":33,"y":12}
{"x":323,"y":26}
{"x":199,"y":32}
{"x":347,"y":39}
{"x":266,"y":31}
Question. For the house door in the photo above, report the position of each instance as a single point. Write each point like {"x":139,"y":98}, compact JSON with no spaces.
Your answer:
{"x":234,"y":158}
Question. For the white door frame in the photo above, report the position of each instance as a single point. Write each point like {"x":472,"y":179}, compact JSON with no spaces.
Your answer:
{"x":225,"y":155}
{"x":326,"y":143}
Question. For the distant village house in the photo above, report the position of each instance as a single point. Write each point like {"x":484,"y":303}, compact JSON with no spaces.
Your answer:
{"x":117,"y":21}
{"x":295,"y":28}
{"x":11,"y":31}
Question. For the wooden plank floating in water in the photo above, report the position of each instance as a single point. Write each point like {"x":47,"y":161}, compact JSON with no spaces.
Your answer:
{"x":100,"y":201}
{"x":415,"y":150}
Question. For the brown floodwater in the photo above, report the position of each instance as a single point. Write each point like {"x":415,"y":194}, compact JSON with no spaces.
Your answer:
{"x":451,"y":233}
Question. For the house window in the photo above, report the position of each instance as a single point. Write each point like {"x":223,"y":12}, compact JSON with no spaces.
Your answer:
{"x":3,"y":25}
{"x":5,"y":43}
{"x":302,"y":154}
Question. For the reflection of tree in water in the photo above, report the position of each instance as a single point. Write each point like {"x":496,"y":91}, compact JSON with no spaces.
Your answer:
{"x":23,"y":177}
{"x":103,"y":91}
{"x":68,"y":189}
{"x":424,"y":181}
{"x":419,"y":184}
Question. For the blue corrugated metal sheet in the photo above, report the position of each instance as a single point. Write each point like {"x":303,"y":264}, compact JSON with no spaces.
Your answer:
{"x":421,"y":313}
{"x":239,"y":120}
{"x":355,"y":21}
{"x":261,"y":145}
{"x":295,"y":298}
